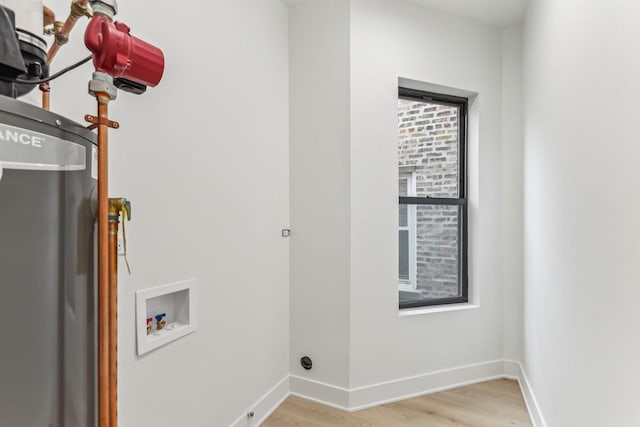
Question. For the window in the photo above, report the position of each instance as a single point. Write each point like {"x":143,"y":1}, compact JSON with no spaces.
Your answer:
{"x":432,"y":223}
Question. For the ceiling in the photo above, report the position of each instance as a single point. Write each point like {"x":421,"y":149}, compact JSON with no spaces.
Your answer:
{"x":494,"y":12}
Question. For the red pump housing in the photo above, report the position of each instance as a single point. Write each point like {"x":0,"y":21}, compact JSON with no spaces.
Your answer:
{"x":117,"y":53}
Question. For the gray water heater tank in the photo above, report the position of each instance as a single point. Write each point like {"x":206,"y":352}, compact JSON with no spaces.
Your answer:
{"x":47,"y":280}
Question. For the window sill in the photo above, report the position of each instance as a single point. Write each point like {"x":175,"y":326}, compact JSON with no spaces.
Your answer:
{"x":436,"y":309}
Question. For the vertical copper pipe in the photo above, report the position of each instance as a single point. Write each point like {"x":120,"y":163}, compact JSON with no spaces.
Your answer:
{"x":48,"y":18}
{"x":46,"y":96}
{"x":113,"y":317}
{"x":103,"y":266}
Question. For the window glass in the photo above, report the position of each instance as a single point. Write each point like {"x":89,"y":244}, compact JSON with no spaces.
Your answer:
{"x":404,"y":255}
{"x":437,"y":251}
{"x":428,"y":141}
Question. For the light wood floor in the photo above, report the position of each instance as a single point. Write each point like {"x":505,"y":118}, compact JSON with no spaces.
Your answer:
{"x":490,"y":404}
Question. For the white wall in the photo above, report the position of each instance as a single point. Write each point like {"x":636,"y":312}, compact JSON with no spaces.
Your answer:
{"x":512,"y":186}
{"x":401,"y":39}
{"x":581,"y":231}
{"x":204,"y":158}
{"x":320,"y":256}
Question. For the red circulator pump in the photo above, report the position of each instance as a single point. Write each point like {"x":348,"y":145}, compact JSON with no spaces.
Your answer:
{"x":133,"y":63}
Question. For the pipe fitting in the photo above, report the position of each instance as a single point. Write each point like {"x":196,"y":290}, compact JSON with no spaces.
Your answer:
{"x":57,"y":26}
{"x":108,"y":8}
{"x":103,"y":83}
{"x":61,"y":38}
{"x":78,"y":10}
{"x":54,"y":30}
{"x":118,"y":206}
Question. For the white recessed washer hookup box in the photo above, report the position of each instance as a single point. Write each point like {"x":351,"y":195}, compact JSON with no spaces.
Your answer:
{"x":164,"y":314}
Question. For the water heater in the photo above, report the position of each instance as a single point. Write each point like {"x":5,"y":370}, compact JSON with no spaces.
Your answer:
{"x":47,"y":279}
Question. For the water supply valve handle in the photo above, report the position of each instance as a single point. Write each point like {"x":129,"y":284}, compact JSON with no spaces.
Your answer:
{"x":126,"y":209}
{"x":126,"y":213}
{"x":122,"y":206}
{"x":160,"y":322}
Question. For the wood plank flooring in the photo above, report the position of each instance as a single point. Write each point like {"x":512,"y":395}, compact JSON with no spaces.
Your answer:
{"x":490,"y":404}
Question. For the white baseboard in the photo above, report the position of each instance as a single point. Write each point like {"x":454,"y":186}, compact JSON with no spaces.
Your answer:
{"x":406,"y":388}
{"x":265,"y":406}
{"x":326,"y":394}
{"x":356,"y":399}
{"x":391,"y":391}
{"x":515,"y":370}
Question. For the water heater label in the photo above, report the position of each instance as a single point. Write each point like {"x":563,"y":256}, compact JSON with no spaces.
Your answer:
{"x":30,"y":150}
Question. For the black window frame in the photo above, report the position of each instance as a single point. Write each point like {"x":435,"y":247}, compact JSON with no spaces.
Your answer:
{"x":461,"y":201}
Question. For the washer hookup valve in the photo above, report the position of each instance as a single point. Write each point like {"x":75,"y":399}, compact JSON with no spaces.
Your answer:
{"x":160,"y":322}
{"x":149,"y":325}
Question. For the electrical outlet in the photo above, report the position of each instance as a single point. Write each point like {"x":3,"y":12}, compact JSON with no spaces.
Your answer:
{"x":120,"y":246}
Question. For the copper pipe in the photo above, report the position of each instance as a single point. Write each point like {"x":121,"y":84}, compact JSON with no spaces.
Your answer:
{"x":45,"y":88}
{"x":113,"y":321}
{"x":48,"y":17}
{"x":114,"y":214}
{"x":78,"y":9}
{"x":104,"y":319}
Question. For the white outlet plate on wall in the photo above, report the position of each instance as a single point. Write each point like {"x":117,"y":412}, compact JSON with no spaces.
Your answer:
{"x":177,"y":300}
